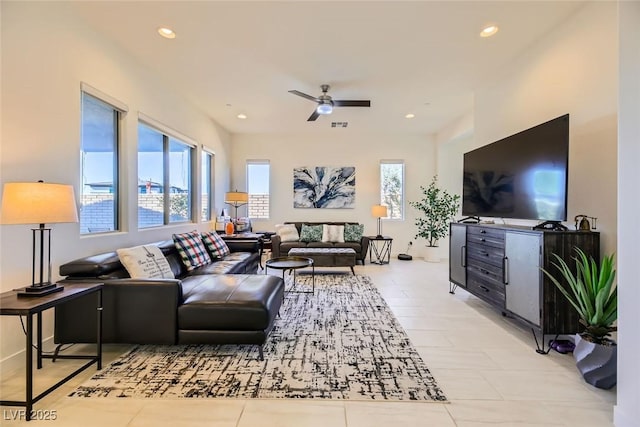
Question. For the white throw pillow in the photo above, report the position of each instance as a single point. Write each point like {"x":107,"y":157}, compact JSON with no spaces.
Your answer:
{"x":145,"y":262}
{"x":333,"y":233}
{"x":287,"y":232}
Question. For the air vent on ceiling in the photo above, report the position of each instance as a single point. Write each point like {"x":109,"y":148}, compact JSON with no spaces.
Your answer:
{"x":339,"y":124}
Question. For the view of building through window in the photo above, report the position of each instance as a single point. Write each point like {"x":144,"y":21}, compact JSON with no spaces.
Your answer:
{"x":392,"y":188}
{"x":99,"y":167}
{"x":164,"y":178}
{"x":258,"y":188}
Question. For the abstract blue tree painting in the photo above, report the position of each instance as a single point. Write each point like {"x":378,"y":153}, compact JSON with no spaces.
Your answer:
{"x":324,"y":187}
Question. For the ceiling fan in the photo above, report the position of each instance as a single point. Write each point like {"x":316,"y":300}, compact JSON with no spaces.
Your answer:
{"x":326,"y":103}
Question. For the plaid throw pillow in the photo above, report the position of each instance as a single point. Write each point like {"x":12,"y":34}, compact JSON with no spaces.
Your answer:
{"x":217,"y":246}
{"x":191,"y":250}
{"x":353,"y":232}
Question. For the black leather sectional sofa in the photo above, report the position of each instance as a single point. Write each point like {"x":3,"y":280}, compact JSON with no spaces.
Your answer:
{"x":224,"y":302}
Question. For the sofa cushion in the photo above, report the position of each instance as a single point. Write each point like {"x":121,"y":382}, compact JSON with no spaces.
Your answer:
{"x":191,"y":249}
{"x":311,"y":233}
{"x":216,"y":245}
{"x":230,"y":302}
{"x":145,"y":262}
{"x":333,"y":233}
{"x":353,"y":232}
{"x":235,"y":263}
{"x":287,"y":232}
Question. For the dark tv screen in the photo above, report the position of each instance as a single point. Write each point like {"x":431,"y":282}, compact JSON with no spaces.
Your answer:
{"x":523,"y":176}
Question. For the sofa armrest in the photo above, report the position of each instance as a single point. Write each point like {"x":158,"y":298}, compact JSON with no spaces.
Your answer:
{"x":364,"y":243}
{"x":275,"y":246}
{"x":142,"y":311}
{"x":241,"y":245}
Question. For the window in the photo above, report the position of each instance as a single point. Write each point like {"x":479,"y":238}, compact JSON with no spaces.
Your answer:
{"x":164,"y":178}
{"x":100,"y":136}
{"x":392,"y":187}
{"x":258,"y":188}
{"x":207,"y":185}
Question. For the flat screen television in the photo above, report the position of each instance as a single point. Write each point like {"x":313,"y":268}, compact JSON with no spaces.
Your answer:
{"x":522,"y":176}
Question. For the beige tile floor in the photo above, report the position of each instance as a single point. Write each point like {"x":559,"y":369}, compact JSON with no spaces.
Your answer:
{"x":485,"y":363}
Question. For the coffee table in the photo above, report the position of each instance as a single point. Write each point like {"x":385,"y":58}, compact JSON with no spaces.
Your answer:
{"x":293,"y":263}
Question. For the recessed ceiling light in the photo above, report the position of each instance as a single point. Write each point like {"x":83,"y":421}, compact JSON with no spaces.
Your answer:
{"x":167,"y":33}
{"x":489,"y":30}
{"x":241,"y":116}
{"x":409,"y":116}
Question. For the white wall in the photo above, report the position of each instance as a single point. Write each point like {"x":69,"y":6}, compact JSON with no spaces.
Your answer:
{"x":45,"y":56}
{"x":627,"y":410}
{"x":572,"y":70}
{"x":341,"y":147}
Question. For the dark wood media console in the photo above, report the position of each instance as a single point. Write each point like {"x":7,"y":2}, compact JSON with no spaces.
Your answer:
{"x":502,"y":265}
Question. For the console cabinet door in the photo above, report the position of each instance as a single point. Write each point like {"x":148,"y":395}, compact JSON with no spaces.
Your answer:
{"x":523,"y":275}
{"x":458,"y":254}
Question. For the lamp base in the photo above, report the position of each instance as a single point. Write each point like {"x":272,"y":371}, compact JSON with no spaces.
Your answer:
{"x":40,"y":290}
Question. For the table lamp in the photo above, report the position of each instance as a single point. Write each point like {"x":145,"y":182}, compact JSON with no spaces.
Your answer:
{"x":379,"y":211}
{"x":39,"y":203}
{"x":235,"y":199}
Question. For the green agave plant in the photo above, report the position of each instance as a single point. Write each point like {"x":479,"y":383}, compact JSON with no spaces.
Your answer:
{"x":592,"y":293}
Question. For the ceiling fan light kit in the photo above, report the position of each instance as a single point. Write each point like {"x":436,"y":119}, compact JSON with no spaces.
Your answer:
{"x":326,"y":103}
{"x":325,"y":108}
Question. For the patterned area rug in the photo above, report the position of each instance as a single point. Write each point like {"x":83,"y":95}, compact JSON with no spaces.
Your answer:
{"x":341,"y":342}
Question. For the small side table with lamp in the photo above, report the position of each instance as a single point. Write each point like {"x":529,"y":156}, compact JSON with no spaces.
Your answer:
{"x":380,"y":246}
{"x":235,"y":199}
{"x":43,"y":203}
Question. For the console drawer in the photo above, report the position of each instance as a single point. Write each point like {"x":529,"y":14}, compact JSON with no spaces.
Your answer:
{"x":485,"y":253}
{"x":486,"y":290}
{"x":486,"y":236}
{"x":487,"y":273}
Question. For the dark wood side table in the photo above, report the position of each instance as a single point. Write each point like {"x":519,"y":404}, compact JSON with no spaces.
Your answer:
{"x":380,"y":248}
{"x":12,"y":305}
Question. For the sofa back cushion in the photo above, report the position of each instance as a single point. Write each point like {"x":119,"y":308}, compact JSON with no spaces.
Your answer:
{"x":191,"y":249}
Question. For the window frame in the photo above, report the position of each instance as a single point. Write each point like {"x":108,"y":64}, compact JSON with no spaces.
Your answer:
{"x":119,"y":111}
{"x":248,"y":163}
{"x":402,"y":204}
{"x":169,"y":134}
{"x":211,"y":184}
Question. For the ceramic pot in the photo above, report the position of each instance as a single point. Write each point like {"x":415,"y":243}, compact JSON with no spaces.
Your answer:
{"x":432,"y":254}
{"x":596,"y":362}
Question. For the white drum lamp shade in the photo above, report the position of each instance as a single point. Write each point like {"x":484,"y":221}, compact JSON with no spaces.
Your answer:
{"x":39,"y":203}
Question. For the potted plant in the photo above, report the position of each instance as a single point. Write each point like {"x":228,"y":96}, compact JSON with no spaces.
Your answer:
{"x":592,"y":292}
{"x":438,"y":207}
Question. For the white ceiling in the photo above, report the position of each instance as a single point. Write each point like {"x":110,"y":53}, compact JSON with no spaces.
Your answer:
{"x":415,"y":57}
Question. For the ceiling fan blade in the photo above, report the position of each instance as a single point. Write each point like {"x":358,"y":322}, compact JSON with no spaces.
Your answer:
{"x":344,"y":103}
{"x":313,"y":116}
{"x":304,"y":95}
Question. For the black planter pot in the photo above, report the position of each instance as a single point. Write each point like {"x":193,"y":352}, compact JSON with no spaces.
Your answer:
{"x":597,"y":363}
